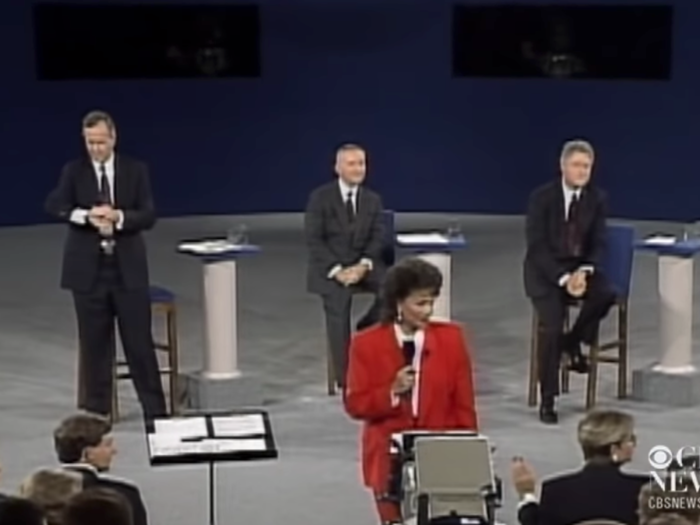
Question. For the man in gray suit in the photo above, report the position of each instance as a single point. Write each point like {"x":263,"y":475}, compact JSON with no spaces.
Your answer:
{"x":345,"y":237}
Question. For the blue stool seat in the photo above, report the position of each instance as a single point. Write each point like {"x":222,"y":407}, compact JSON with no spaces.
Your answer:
{"x":161,"y":295}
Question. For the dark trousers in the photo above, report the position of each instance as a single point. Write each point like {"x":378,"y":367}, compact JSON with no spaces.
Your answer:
{"x":96,"y":312}
{"x":551,"y":310}
{"x":337,"y":307}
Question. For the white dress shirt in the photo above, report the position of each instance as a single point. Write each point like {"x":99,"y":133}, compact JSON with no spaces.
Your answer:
{"x":347,"y":191}
{"x":80,"y":215}
{"x":418,"y":339}
{"x":569,"y":194}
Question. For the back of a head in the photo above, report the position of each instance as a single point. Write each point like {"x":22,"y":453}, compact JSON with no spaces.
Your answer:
{"x":97,"y":506}
{"x":51,"y":489}
{"x":20,"y":511}
{"x":670,"y":519}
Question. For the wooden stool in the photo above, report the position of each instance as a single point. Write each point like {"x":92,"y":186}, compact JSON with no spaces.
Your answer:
{"x":596,"y":355}
{"x":163,"y":304}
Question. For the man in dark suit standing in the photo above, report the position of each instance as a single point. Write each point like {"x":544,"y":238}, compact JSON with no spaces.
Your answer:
{"x":106,"y":201}
{"x":565,"y":245}
{"x":345,"y":237}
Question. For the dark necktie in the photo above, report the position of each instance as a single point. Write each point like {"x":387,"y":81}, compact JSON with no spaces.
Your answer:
{"x":573,"y":239}
{"x":350,"y":207}
{"x":105,"y":190}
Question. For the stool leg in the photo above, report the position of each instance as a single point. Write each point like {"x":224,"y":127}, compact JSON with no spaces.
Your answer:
{"x":534,"y":355}
{"x":330,"y":373}
{"x":173,"y":360}
{"x":592,"y":383}
{"x":81,"y":379}
{"x":623,"y":356}
{"x":564,"y":371}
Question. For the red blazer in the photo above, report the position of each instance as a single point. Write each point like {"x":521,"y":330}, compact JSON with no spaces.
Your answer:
{"x":446,"y":392}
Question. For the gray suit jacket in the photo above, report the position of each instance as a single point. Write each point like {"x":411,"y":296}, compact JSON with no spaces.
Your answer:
{"x":332,"y":240}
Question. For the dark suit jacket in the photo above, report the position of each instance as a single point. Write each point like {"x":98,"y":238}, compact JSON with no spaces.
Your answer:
{"x":333,"y":240}
{"x":546,"y":260}
{"x":91,"y":478}
{"x":594,"y":492}
{"x":78,"y":187}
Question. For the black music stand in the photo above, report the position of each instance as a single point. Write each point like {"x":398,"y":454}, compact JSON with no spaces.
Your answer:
{"x":211,"y":438}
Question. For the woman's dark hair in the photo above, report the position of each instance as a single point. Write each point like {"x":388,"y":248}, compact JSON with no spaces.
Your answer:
{"x":404,"y":278}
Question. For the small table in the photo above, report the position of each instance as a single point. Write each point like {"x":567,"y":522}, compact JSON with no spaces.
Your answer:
{"x":220,"y":385}
{"x":437,"y":249}
{"x":674,"y":380}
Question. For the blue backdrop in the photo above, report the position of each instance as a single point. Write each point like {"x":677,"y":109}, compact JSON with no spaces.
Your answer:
{"x":332,"y":73}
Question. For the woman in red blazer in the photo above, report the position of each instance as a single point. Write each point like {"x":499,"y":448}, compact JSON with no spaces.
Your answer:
{"x":407,"y":373}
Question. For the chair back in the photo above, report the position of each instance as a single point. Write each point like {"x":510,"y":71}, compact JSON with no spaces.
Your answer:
{"x":388,"y":249}
{"x":619,"y":256}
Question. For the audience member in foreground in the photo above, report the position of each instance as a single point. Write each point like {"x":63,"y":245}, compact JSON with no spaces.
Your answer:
{"x":654,"y":503}
{"x":98,"y":506}
{"x":407,"y":373}
{"x":84,"y":444}
{"x":566,"y":238}
{"x":345,"y":237}
{"x":14,"y":511}
{"x":599,"y":491}
{"x":51,"y":490}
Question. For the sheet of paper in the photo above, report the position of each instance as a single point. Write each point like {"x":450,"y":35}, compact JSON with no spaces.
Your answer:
{"x":166,"y":446}
{"x":238,"y":426}
{"x":214,"y":246}
{"x":185,"y":427}
{"x":422,"y":238}
{"x":661,"y":240}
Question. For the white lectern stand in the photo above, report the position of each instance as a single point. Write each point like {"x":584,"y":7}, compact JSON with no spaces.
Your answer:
{"x":674,"y":380}
{"x":211,"y":439}
{"x":436,"y":249}
{"x":220,"y":385}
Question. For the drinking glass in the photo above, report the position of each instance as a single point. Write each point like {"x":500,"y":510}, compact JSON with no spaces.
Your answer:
{"x":237,"y":235}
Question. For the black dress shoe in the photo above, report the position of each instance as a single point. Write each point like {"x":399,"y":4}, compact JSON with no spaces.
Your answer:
{"x":579,"y":364}
{"x":548,"y":415}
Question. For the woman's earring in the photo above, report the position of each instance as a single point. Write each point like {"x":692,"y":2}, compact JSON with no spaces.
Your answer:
{"x":615,"y":458}
{"x":399,"y":315}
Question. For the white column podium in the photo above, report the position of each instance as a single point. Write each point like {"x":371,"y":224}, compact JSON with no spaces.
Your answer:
{"x":436,"y":249}
{"x":220,"y":385}
{"x":673,"y":380}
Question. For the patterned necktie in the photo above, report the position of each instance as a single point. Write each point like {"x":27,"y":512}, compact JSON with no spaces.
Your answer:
{"x":105,"y":190}
{"x":350,"y":207}
{"x":573,"y":240}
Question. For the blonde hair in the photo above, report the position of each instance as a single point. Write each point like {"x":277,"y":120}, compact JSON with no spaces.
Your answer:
{"x":601,"y":429}
{"x":652,"y":506}
{"x":51,"y":489}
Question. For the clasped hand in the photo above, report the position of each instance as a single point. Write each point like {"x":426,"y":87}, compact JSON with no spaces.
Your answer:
{"x":352,"y":274}
{"x":103,"y":217}
{"x":577,"y":284}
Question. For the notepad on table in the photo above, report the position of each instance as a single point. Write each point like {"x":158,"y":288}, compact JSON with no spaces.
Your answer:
{"x":660,"y":240}
{"x":422,"y":238}
{"x":207,"y":247}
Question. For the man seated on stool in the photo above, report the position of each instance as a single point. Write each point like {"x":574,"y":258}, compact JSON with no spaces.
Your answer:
{"x":84,"y":444}
{"x":566,"y":238}
{"x":345,"y":237}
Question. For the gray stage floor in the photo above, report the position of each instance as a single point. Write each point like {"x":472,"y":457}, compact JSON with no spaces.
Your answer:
{"x":317,"y":476}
